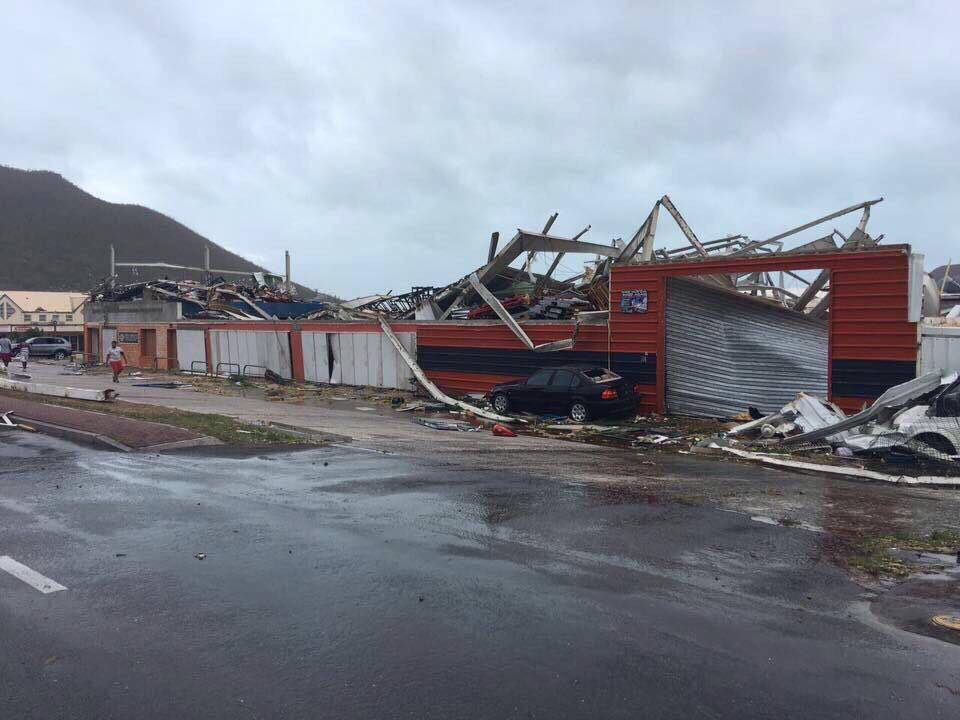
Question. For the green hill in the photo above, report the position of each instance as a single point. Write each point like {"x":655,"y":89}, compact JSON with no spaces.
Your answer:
{"x":55,"y":236}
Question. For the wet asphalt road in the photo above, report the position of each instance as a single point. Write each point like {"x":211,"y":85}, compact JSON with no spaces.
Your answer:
{"x":345,"y":584}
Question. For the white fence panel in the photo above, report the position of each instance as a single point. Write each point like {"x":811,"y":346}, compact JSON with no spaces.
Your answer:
{"x":368,"y":359}
{"x":190,"y":348}
{"x":261,"y":348}
{"x":107,"y":336}
{"x":316,"y":357}
{"x":939,"y":349}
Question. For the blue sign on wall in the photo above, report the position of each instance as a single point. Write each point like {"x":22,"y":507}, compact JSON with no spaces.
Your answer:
{"x":633,"y":301}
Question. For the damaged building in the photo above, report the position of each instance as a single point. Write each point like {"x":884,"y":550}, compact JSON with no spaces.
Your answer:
{"x":708,"y":328}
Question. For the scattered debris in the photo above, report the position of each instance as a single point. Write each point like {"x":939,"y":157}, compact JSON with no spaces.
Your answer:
{"x":951,"y":622}
{"x":6,"y":422}
{"x":844,"y":471}
{"x":200,"y":556}
{"x":217,"y":299}
{"x":271,"y":376}
{"x":916,"y":420}
{"x":447,"y":425}
{"x":503,"y":431}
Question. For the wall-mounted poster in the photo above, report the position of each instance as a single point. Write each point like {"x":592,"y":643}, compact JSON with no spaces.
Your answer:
{"x":633,"y":301}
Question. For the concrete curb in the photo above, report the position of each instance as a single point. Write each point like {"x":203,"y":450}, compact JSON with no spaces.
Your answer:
{"x":201,"y":441}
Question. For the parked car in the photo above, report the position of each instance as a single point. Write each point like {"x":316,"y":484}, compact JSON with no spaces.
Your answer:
{"x":582,"y":392}
{"x":56,"y":347}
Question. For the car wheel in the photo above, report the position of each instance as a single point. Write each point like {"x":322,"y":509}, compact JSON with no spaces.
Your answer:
{"x":60,"y":355}
{"x":579,"y":412}
{"x":501,"y":403}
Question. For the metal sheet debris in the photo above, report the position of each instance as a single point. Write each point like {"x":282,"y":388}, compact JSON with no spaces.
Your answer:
{"x":894,"y":398}
{"x":433,"y":389}
{"x":844,"y":471}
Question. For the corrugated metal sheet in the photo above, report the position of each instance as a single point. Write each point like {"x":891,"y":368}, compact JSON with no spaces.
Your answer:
{"x":270,"y":349}
{"x":370,"y":359}
{"x":726,"y":352}
{"x":939,"y":349}
{"x":869,"y":304}
{"x":107,"y":336}
{"x":316,"y":357}
{"x":191,"y":347}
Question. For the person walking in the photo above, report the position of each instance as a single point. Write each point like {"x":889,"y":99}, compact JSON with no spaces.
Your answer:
{"x":6,"y":351}
{"x":23,"y":355}
{"x":116,"y":357}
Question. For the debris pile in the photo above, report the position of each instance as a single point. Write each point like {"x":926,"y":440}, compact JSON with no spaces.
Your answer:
{"x":918,"y":420}
{"x":217,"y":299}
{"x":519,"y":292}
{"x":525,"y":294}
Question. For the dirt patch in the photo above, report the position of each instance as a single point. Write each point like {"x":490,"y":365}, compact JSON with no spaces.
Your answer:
{"x":882,"y":556}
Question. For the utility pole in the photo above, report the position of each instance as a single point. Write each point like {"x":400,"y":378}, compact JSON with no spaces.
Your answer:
{"x":286,"y":257}
{"x":113,"y":266}
{"x":206,"y":263}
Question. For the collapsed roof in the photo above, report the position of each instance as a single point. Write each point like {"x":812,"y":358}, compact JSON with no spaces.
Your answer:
{"x":498,"y":289}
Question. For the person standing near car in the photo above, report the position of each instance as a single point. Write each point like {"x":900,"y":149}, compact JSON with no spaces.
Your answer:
{"x":116,"y":357}
{"x":23,"y":355}
{"x":6,"y":351}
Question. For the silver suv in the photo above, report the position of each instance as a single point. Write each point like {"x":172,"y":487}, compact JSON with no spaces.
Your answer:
{"x":55,"y":347}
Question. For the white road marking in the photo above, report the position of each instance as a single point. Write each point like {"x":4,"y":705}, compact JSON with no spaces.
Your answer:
{"x":29,"y":576}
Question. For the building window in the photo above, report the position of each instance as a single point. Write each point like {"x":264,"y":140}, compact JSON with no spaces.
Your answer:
{"x":42,"y":317}
{"x":27,"y":317}
{"x":68,"y":318}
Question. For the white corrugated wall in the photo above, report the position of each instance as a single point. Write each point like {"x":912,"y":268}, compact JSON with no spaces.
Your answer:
{"x":939,"y":348}
{"x":190,"y":348}
{"x":363,"y":359}
{"x":726,"y":352}
{"x":242,"y":348}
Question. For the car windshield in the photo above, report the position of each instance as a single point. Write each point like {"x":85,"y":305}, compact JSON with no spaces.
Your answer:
{"x":601,"y":375}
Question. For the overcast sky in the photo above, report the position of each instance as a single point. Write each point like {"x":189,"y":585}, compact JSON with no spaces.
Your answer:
{"x":383,"y":142}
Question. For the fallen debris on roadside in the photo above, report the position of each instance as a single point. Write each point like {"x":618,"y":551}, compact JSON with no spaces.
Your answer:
{"x":447,"y":425}
{"x":107,"y":395}
{"x":919,"y":418}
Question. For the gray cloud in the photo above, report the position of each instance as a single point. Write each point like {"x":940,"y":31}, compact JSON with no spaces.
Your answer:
{"x":382,"y":143}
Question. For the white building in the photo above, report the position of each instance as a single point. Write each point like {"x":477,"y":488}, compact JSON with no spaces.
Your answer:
{"x":57,"y":313}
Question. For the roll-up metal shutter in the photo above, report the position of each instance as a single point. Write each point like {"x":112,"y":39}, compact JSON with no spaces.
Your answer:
{"x":726,"y":352}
